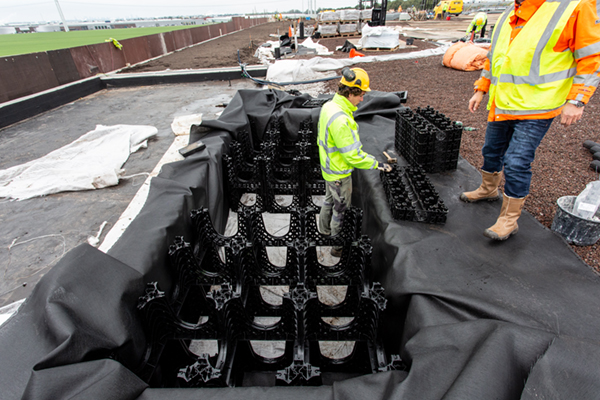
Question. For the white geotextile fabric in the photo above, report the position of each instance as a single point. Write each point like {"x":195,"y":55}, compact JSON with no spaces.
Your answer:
{"x":266,"y":53}
{"x":182,"y":124}
{"x":91,"y":162}
{"x":304,"y":70}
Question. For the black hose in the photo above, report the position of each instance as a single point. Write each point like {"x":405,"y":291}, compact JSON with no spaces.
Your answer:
{"x":245,"y":74}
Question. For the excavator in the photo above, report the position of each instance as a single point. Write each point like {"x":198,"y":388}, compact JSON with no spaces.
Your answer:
{"x":378,"y":15}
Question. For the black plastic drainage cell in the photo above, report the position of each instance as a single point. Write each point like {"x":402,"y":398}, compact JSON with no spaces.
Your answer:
{"x":428,"y":138}
{"x":412,"y":197}
{"x":217,"y":282}
{"x":277,"y":168}
{"x":315,"y":103}
{"x":228,"y":315}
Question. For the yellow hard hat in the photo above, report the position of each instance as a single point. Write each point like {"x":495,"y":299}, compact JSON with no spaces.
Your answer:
{"x":479,"y":21}
{"x":355,"y":77}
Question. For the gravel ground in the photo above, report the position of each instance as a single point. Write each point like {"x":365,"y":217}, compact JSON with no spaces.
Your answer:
{"x":562,"y":164}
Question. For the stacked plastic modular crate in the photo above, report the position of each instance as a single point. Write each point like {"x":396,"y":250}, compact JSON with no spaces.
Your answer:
{"x":429,"y":142}
{"x":412,"y":197}
{"x":221,"y":282}
{"x":428,"y":138}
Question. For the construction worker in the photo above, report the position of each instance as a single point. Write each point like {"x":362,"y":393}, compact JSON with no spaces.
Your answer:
{"x":445,"y":10}
{"x":544,"y":63}
{"x":340,"y":150}
{"x":477,"y":25}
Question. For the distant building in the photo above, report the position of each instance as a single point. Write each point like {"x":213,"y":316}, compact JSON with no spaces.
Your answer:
{"x":6,"y":30}
{"x":100,"y":25}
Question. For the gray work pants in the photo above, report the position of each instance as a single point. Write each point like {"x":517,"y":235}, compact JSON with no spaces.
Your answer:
{"x":338,"y":195}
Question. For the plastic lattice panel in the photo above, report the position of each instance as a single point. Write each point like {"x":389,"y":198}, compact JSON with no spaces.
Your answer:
{"x":427,"y":138}
{"x":277,"y":168}
{"x":219,"y":284}
{"x":217,"y":296}
{"x":412,"y":197}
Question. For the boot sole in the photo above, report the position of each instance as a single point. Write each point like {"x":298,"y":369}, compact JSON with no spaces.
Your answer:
{"x":493,"y":235}
{"x":468,"y":200}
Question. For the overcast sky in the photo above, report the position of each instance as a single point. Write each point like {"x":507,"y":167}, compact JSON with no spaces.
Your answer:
{"x":45,"y":10}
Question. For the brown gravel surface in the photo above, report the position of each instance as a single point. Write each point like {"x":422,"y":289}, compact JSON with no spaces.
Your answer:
{"x":561,"y":166}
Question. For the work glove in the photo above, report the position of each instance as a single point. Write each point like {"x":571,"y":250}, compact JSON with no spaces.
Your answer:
{"x":385,"y":167}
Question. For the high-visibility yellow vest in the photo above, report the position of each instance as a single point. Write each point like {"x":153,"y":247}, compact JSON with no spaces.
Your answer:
{"x":480,"y":15}
{"x":340,"y":149}
{"x":527,"y":76}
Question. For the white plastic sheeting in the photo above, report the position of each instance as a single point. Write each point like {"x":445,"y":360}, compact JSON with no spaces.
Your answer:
{"x":348,"y":28}
{"x":366,"y":14}
{"x":304,"y":70}
{"x":329,"y":16}
{"x":265,"y":53}
{"x":380,"y":37}
{"x":91,"y":162}
{"x":328,"y":29}
{"x":349,"y":15}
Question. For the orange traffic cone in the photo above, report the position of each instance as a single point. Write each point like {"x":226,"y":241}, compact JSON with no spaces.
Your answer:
{"x":290,"y":32}
{"x":354,"y":53}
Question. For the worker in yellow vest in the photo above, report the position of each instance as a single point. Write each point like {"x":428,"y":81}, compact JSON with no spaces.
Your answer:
{"x":544,"y":63}
{"x":478,"y":24}
{"x":340,"y":150}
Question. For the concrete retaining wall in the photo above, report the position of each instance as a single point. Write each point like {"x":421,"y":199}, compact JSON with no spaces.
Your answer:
{"x":32,"y":73}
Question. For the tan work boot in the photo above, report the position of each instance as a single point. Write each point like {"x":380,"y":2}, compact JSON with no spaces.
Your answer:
{"x":506,"y":225}
{"x":488,"y":190}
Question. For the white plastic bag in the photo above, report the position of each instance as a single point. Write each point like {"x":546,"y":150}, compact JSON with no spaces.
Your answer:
{"x":587,"y":203}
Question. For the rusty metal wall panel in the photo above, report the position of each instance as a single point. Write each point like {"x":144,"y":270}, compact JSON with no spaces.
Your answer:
{"x":238,"y":23}
{"x":97,"y":58}
{"x":84,"y":61}
{"x":210,"y":31}
{"x":109,"y":57}
{"x":157,"y":45}
{"x":182,"y":38}
{"x":218,"y":29}
{"x":63,"y":66}
{"x":169,"y":41}
{"x":136,"y":50}
{"x":25,"y":74}
{"x":204,"y":35}
{"x":199,"y":34}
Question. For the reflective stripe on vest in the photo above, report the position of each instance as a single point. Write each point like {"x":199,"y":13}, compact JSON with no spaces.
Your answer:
{"x":527,"y":76}
{"x":356,"y":145}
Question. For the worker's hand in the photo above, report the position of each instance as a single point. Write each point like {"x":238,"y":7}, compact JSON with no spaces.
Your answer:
{"x":571,"y":114}
{"x":475,"y":101}
{"x":385,"y":167}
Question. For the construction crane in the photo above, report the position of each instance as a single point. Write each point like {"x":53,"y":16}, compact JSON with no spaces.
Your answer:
{"x":378,"y":15}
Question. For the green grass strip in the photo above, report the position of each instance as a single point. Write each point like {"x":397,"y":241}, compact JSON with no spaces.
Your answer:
{"x":25,"y":43}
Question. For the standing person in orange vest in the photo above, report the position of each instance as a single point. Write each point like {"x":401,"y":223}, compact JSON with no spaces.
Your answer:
{"x":544,"y":63}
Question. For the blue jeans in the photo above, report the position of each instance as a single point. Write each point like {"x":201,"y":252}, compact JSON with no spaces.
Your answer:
{"x":511,"y":145}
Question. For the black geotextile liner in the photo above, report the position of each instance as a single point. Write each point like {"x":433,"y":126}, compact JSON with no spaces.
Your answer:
{"x":472,"y":318}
